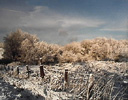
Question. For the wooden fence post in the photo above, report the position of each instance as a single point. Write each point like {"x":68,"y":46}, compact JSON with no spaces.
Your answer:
{"x":66,"y":78}
{"x":18,"y":71}
{"x":42,"y":74}
{"x":28,"y":70}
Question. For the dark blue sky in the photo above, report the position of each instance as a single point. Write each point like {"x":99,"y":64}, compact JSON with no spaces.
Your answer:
{"x":65,"y":20}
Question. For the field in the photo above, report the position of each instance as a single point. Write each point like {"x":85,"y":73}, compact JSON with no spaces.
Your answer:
{"x":92,"y":80}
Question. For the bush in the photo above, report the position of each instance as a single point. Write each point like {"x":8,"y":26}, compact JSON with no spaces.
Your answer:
{"x":48,"y":52}
{"x":28,"y":50}
{"x":96,"y":49}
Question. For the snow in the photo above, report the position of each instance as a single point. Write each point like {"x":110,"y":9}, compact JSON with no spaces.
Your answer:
{"x":53,"y":86}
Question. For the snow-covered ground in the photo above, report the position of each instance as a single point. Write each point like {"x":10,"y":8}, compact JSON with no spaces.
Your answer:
{"x":53,"y":87}
{"x":11,"y":92}
{"x":1,"y":52}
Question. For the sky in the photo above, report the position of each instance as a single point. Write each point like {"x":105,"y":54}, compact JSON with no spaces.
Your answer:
{"x":65,"y":21}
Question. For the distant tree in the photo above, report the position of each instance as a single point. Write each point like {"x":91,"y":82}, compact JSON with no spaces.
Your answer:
{"x":12,"y":44}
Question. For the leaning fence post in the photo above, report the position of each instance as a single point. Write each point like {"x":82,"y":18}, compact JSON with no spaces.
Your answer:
{"x":42,"y":74}
{"x":66,"y":78}
{"x":90,"y":86}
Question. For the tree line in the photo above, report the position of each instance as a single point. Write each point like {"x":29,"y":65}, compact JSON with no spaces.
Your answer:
{"x":26,"y":48}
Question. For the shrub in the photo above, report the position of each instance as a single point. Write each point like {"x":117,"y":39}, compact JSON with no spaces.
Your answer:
{"x":28,"y":50}
{"x":48,"y":52}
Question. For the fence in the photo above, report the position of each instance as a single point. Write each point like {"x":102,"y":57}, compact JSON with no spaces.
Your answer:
{"x":81,"y":83}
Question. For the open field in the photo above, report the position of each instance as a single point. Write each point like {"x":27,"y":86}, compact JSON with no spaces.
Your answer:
{"x":104,"y":80}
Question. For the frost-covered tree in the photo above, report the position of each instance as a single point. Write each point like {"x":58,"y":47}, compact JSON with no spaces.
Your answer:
{"x":12,"y":43}
{"x":13,"y":49}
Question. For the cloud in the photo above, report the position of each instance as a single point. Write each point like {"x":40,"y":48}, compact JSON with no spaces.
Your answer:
{"x":11,"y":10}
{"x":72,"y":39}
{"x":43,"y":17}
{"x":46,"y":23}
{"x":115,"y":29}
{"x":10,"y":19}
{"x":117,"y":25}
{"x":81,"y":22}
{"x":62,"y":32}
